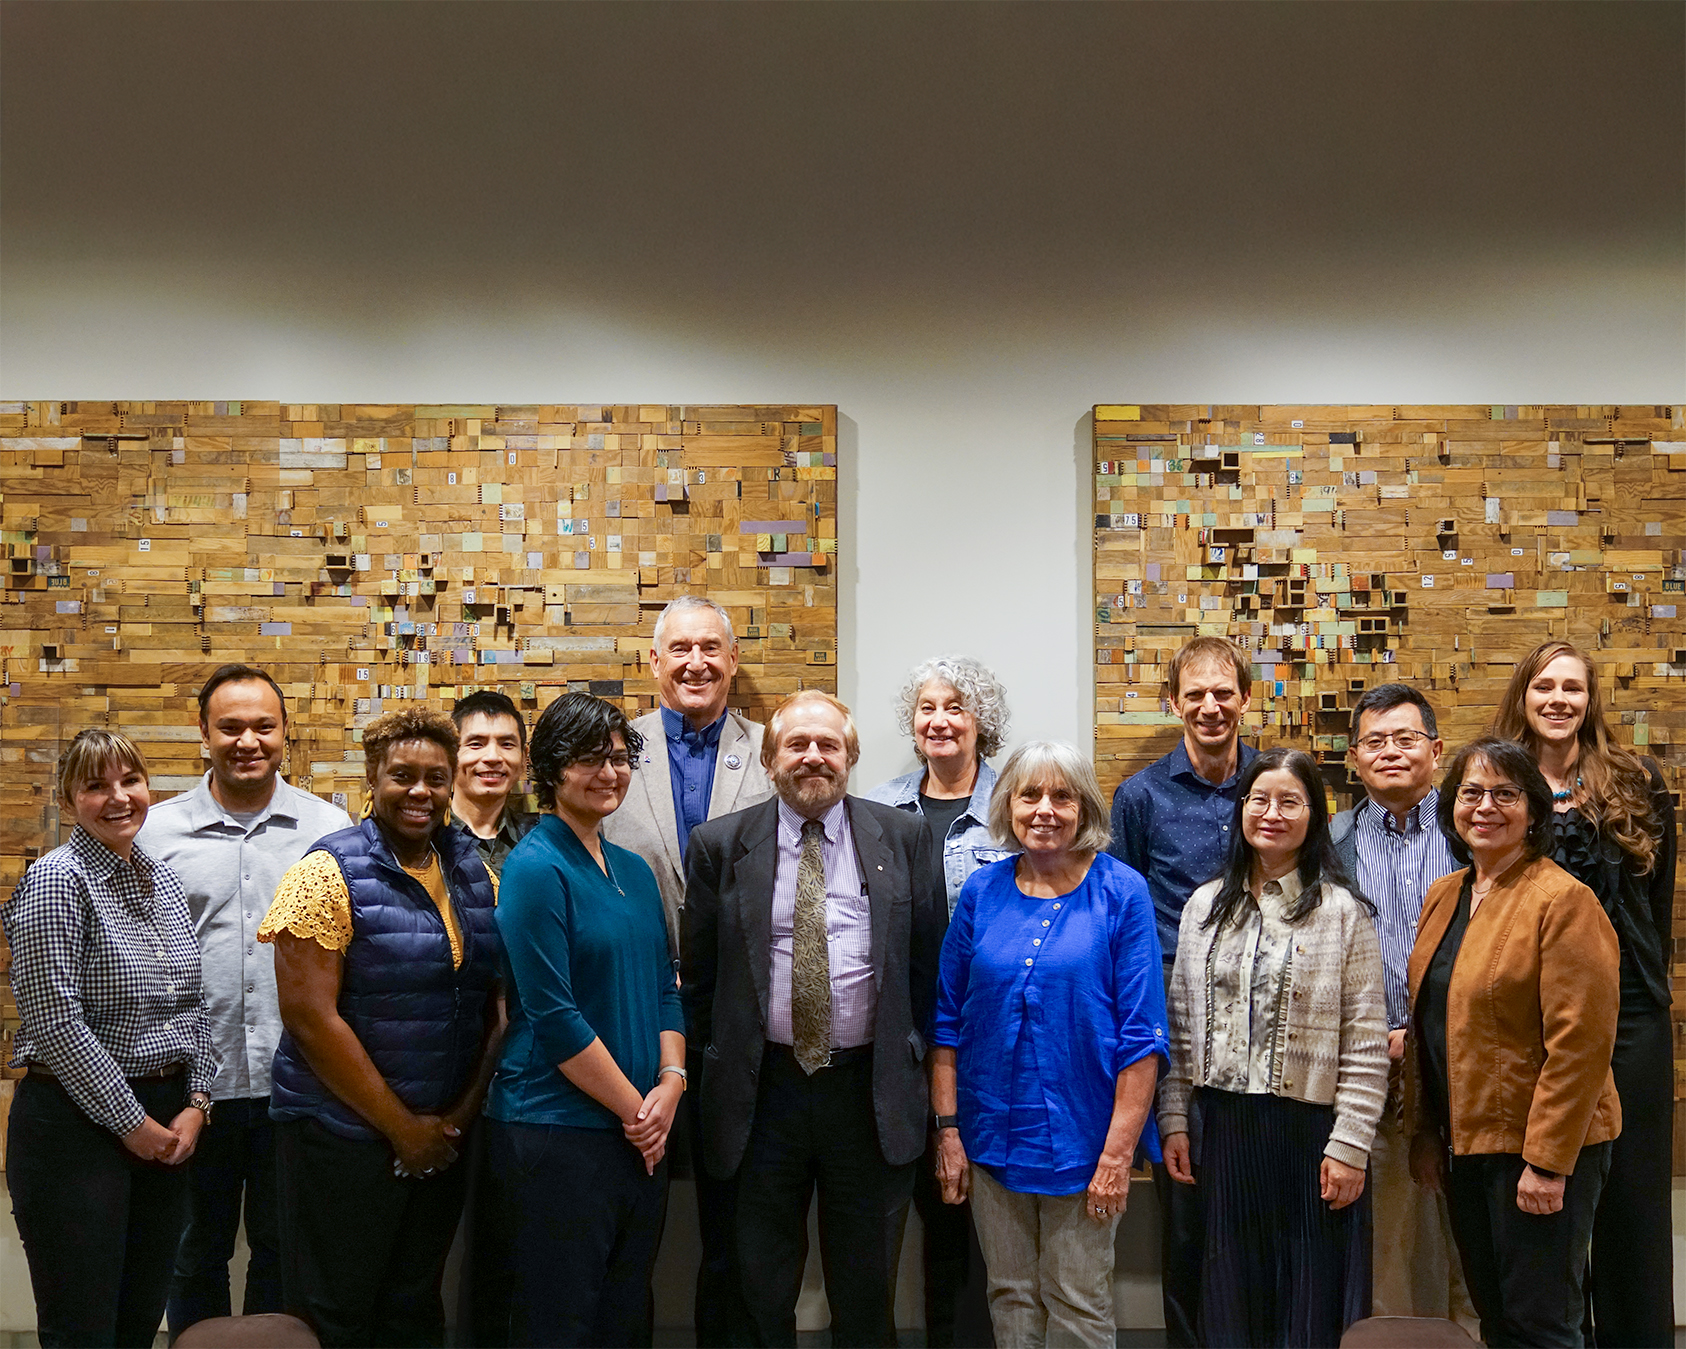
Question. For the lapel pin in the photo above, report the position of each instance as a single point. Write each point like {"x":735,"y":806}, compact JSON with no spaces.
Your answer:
{"x":732,"y":761}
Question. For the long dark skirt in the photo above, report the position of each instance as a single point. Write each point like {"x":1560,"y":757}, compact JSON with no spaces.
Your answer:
{"x":1281,"y":1267}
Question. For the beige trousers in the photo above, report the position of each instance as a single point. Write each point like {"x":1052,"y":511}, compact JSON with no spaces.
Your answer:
{"x":1417,"y":1270}
{"x":1050,"y":1267}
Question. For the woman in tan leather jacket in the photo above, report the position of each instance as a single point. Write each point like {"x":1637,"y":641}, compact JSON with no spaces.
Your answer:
{"x":1514,"y":996}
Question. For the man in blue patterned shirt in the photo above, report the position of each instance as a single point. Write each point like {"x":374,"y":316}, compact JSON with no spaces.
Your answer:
{"x":1390,"y":843}
{"x":1171,"y":822}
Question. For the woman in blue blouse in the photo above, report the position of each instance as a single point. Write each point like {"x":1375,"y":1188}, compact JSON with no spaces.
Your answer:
{"x":1049,"y":1030}
{"x":592,"y":1065}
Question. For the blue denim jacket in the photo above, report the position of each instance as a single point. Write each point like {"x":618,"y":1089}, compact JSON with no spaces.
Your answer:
{"x":968,"y":845}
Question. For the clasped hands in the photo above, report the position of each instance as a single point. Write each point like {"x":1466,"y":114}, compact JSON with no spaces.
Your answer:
{"x":153,"y":1142}
{"x":648,"y":1129}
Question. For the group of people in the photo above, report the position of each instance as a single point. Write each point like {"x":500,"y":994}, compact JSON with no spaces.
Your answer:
{"x":1413,"y":1058}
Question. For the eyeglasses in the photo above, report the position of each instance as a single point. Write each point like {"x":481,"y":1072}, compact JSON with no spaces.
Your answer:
{"x":593,"y":763}
{"x":1405,"y":740}
{"x":1288,"y":807}
{"x":1503,"y":797}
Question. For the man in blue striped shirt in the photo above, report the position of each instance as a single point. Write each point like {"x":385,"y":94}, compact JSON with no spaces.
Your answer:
{"x":1390,"y":843}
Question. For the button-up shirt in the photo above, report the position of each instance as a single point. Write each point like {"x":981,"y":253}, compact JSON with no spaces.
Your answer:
{"x":1046,"y":1001}
{"x":848,"y":931}
{"x":513,"y":826}
{"x":229,"y":871}
{"x":1173,"y":826}
{"x":690,"y":766}
{"x":1245,"y":970}
{"x":105,"y":971}
{"x":1395,"y":868}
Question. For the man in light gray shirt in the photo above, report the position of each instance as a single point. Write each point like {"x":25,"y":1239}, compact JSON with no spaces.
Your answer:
{"x":230,"y":840}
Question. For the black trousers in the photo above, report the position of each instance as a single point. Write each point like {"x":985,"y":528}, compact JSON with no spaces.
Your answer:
{"x":1524,"y":1270}
{"x":487,"y":1277}
{"x":1182,"y":1238}
{"x":1630,"y":1284}
{"x":956,"y":1282}
{"x":362,"y":1251}
{"x":819,"y":1133}
{"x":584,"y":1223}
{"x":234,"y":1164}
{"x":99,"y":1226}
{"x":722,"y":1316}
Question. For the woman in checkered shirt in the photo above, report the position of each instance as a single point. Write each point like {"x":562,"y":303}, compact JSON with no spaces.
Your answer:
{"x":115,"y":1037}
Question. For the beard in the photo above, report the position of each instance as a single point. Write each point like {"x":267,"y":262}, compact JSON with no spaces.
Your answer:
{"x":810,"y":792}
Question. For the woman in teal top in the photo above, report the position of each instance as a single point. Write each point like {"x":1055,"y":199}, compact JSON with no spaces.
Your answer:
{"x":591,"y":1071}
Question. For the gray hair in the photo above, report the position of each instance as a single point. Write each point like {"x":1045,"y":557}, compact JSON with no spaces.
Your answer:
{"x":980,"y":693}
{"x":686,"y":603}
{"x":1035,"y":764}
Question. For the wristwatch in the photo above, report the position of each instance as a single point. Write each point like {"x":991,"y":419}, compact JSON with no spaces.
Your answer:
{"x":684,"y":1077}
{"x":941,"y":1122}
{"x":200,"y":1102}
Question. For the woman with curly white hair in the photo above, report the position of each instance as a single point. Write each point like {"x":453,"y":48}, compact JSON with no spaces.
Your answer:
{"x":956,"y":711}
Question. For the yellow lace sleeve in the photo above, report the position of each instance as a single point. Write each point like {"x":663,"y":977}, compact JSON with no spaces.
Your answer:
{"x":312,"y":902}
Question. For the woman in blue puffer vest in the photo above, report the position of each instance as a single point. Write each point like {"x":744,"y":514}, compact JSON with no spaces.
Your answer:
{"x":386,"y":965}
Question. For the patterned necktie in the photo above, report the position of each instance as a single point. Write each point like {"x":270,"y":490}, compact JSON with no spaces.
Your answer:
{"x":810,"y":966}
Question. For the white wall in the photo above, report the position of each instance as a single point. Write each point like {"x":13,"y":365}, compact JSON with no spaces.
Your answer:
{"x":963,"y":225}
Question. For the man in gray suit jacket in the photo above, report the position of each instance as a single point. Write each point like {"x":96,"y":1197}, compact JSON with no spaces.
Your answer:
{"x":700,"y":760}
{"x":812,"y":929}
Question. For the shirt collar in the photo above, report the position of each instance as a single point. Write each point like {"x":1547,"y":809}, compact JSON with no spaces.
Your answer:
{"x":1183,"y":766}
{"x":1289,"y":887}
{"x":204,"y":810}
{"x":506,"y":824}
{"x":790,"y":823}
{"x":1417,"y":818}
{"x":99,"y":861}
{"x":679,"y":728}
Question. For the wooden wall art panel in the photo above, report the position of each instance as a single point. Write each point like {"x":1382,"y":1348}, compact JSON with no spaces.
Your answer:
{"x":1350,"y":546}
{"x":369,"y":556}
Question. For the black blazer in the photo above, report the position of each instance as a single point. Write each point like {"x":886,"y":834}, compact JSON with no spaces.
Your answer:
{"x":726,"y":967}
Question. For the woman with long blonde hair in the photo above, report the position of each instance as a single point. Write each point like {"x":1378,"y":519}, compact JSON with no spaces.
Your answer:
{"x":1614,"y":830}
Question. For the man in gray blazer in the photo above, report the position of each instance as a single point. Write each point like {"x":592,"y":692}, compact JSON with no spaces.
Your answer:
{"x":700,"y":760}
{"x":812,"y":928}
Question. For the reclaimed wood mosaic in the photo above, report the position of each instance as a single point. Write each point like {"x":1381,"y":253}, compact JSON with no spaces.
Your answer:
{"x":1349,"y":546}
{"x":367,"y":556}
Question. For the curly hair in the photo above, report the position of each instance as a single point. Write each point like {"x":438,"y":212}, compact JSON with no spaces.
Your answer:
{"x":575,"y":725}
{"x":1617,"y":800}
{"x":980,"y":693}
{"x":412,"y":723}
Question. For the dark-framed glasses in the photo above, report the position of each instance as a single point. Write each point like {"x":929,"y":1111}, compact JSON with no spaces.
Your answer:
{"x":1288,"y":807}
{"x":1503,"y":797}
{"x":1405,"y":741}
{"x":593,"y":763}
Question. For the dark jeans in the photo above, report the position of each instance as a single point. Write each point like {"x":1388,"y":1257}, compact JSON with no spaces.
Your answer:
{"x":819,"y":1132}
{"x":363,"y":1251}
{"x":99,"y":1226}
{"x":956,"y":1286}
{"x":722,"y":1316}
{"x":1630,"y":1284}
{"x":1182,"y":1239}
{"x":487,"y":1277}
{"x":1524,"y":1270}
{"x":235,"y":1159}
{"x":584,"y":1223}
